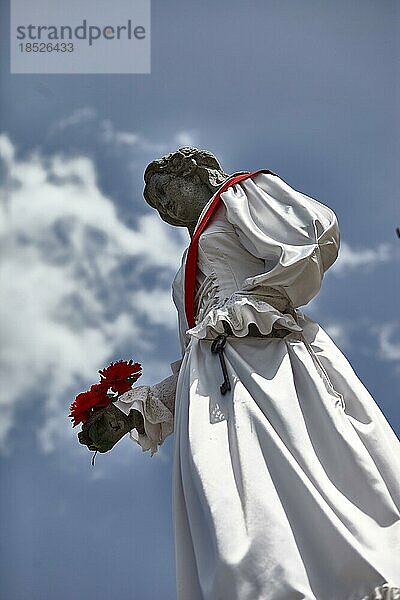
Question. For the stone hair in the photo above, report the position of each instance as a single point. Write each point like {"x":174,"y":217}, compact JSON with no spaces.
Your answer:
{"x":189,"y":163}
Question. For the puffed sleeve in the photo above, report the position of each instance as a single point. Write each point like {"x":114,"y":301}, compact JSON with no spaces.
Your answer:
{"x":296,"y":236}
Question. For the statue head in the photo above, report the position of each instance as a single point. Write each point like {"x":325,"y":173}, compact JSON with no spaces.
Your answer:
{"x":181,"y":183}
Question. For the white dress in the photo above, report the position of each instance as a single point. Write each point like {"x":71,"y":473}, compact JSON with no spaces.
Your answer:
{"x":287,"y":487}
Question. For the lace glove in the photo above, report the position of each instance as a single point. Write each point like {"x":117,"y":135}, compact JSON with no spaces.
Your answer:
{"x":156,"y":404}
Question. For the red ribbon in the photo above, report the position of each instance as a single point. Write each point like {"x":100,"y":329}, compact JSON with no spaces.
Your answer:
{"x":191,"y":259}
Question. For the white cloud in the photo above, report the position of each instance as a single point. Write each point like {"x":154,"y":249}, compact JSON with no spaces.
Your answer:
{"x":6,"y":149}
{"x":77,"y":117}
{"x":66,"y":306}
{"x":339,"y":333}
{"x":364,"y":259}
{"x":156,"y":306}
{"x":389,"y":340}
{"x":186,"y":138}
{"x":109,"y":135}
{"x":385,"y":338}
{"x":105,"y":132}
{"x":129,"y":139}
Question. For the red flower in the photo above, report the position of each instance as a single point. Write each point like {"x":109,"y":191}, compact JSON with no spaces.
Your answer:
{"x":120,"y":376}
{"x":84,"y":402}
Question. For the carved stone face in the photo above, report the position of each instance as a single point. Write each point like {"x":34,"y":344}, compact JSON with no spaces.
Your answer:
{"x":178,"y":200}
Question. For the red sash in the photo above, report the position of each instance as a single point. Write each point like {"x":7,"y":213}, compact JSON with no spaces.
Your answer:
{"x":191,"y":259}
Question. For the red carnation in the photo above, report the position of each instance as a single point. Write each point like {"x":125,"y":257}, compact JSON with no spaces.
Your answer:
{"x":84,"y":402}
{"x":120,"y":376}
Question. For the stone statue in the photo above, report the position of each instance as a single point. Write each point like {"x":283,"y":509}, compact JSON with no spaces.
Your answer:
{"x":286,"y":474}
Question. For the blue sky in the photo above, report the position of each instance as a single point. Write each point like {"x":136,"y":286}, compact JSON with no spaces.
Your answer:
{"x":305,"y":88}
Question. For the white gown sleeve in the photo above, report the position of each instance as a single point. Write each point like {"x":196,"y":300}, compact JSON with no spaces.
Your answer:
{"x":296,"y":239}
{"x":295,"y":235}
{"x":157,"y":405}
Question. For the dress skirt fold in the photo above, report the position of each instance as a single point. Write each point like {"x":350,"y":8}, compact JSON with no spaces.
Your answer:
{"x":286,"y":487}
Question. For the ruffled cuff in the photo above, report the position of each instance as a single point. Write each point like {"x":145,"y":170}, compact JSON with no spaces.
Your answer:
{"x":158,"y":419}
{"x":239,"y":311}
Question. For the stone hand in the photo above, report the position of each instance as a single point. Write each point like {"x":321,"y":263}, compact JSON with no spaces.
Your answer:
{"x":106,"y":426}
